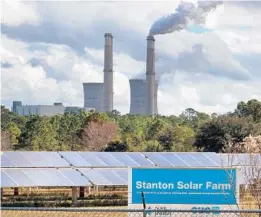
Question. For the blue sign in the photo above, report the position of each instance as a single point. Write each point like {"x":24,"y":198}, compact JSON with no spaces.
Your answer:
{"x":184,"y":186}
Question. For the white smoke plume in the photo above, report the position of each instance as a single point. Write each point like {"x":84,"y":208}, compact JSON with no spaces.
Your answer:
{"x":185,"y":13}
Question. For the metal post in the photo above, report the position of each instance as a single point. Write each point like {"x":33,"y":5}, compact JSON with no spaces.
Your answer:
{"x":74,"y":195}
{"x":144,"y":204}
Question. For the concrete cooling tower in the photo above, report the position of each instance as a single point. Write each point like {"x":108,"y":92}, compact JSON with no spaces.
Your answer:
{"x":108,"y":73}
{"x":93,"y":96}
{"x":138,"y":95}
{"x":150,"y":76}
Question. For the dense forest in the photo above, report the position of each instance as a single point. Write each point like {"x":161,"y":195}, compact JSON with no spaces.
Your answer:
{"x":92,"y":131}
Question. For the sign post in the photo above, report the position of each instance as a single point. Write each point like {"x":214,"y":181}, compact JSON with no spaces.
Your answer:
{"x":183,"y":188}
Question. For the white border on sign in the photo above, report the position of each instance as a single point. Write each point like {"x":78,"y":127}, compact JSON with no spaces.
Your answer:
{"x":140,"y":206}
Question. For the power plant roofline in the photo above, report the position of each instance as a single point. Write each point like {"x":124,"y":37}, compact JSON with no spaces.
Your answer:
{"x":90,"y":83}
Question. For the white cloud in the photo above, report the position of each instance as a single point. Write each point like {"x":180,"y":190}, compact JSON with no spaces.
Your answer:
{"x":16,"y":12}
{"x":84,"y":14}
{"x":198,"y":53}
{"x":58,"y":70}
{"x":234,"y":15}
{"x":204,"y":93}
{"x":68,"y":71}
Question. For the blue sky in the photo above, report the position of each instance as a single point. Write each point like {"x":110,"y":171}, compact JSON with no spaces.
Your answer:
{"x":50,"y":48}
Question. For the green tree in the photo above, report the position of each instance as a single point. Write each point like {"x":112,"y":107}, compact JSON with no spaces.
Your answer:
{"x":166,"y":137}
{"x":7,"y":116}
{"x":252,"y":109}
{"x":154,"y":126}
{"x":68,"y":128}
{"x":116,"y":146}
{"x":14,"y":132}
{"x":153,"y":146}
{"x":193,"y":118}
{"x":39,"y":135}
{"x":220,"y":132}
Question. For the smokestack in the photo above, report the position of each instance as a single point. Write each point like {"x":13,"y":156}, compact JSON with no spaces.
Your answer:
{"x":108,"y":73}
{"x":150,"y":75}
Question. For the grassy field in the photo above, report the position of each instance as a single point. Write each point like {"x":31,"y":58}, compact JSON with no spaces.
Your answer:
{"x":64,"y":214}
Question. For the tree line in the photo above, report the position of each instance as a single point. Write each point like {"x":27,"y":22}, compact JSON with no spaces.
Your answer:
{"x":92,"y":131}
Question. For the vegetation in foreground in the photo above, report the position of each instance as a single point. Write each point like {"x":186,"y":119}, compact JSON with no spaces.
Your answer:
{"x":190,"y":131}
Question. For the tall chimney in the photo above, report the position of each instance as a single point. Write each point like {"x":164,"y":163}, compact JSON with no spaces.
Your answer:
{"x":108,"y":73}
{"x":150,"y":76}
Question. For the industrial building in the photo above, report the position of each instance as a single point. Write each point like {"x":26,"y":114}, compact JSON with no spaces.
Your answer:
{"x":75,"y":109}
{"x":93,"y":96}
{"x":143,"y":92}
{"x":138,"y":96}
{"x":99,"y":96}
{"x":45,"y":110}
{"x":41,"y":110}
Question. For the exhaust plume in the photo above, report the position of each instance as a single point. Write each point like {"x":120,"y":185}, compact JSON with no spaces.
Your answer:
{"x":186,"y":13}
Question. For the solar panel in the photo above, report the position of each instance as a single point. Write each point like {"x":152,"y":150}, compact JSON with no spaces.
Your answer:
{"x":6,"y":181}
{"x":5,"y":162}
{"x":158,"y":159}
{"x":56,"y":177}
{"x":38,"y":177}
{"x":123,"y":173}
{"x":95,"y":176}
{"x":140,"y":159}
{"x":54,"y":159}
{"x":18,"y":159}
{"x":174,"y":159}
{"x":214,"y":158}
{"x":92,"y":159}
{"x":75,"y":159}
{"x":19,"y":177}
{"x":204,"y":159}
{"x":189,"y":159}
{"x":108,"y":159}
{"x":240,"y":159}
{"x":105,"y":176}
{"x":75,"y":177}
{"x":33,"y":159}
{"x":28,"y":177}
{"x":124,"y":159}
{"x":113,"y":177}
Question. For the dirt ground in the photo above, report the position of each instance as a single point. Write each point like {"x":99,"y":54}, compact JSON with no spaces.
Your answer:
{"x":64,"y":214}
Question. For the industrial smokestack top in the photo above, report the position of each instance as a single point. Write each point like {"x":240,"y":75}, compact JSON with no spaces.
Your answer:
{"x":150,"y":37}
{"x":108,"y":35}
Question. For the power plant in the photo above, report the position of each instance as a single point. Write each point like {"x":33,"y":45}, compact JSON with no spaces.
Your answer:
{"x":139,"y":95}
{"x":99,"y":96}
{"x":93,"y":96}
{"x":143,"y":93}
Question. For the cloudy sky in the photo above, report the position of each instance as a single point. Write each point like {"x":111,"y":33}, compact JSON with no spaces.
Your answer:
{"x":49,"y":48}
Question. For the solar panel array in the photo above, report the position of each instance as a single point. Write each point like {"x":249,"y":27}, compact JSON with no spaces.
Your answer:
{"x":101,"y":168}
{"x":30,"y":159}
{"x":28,"y":177}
